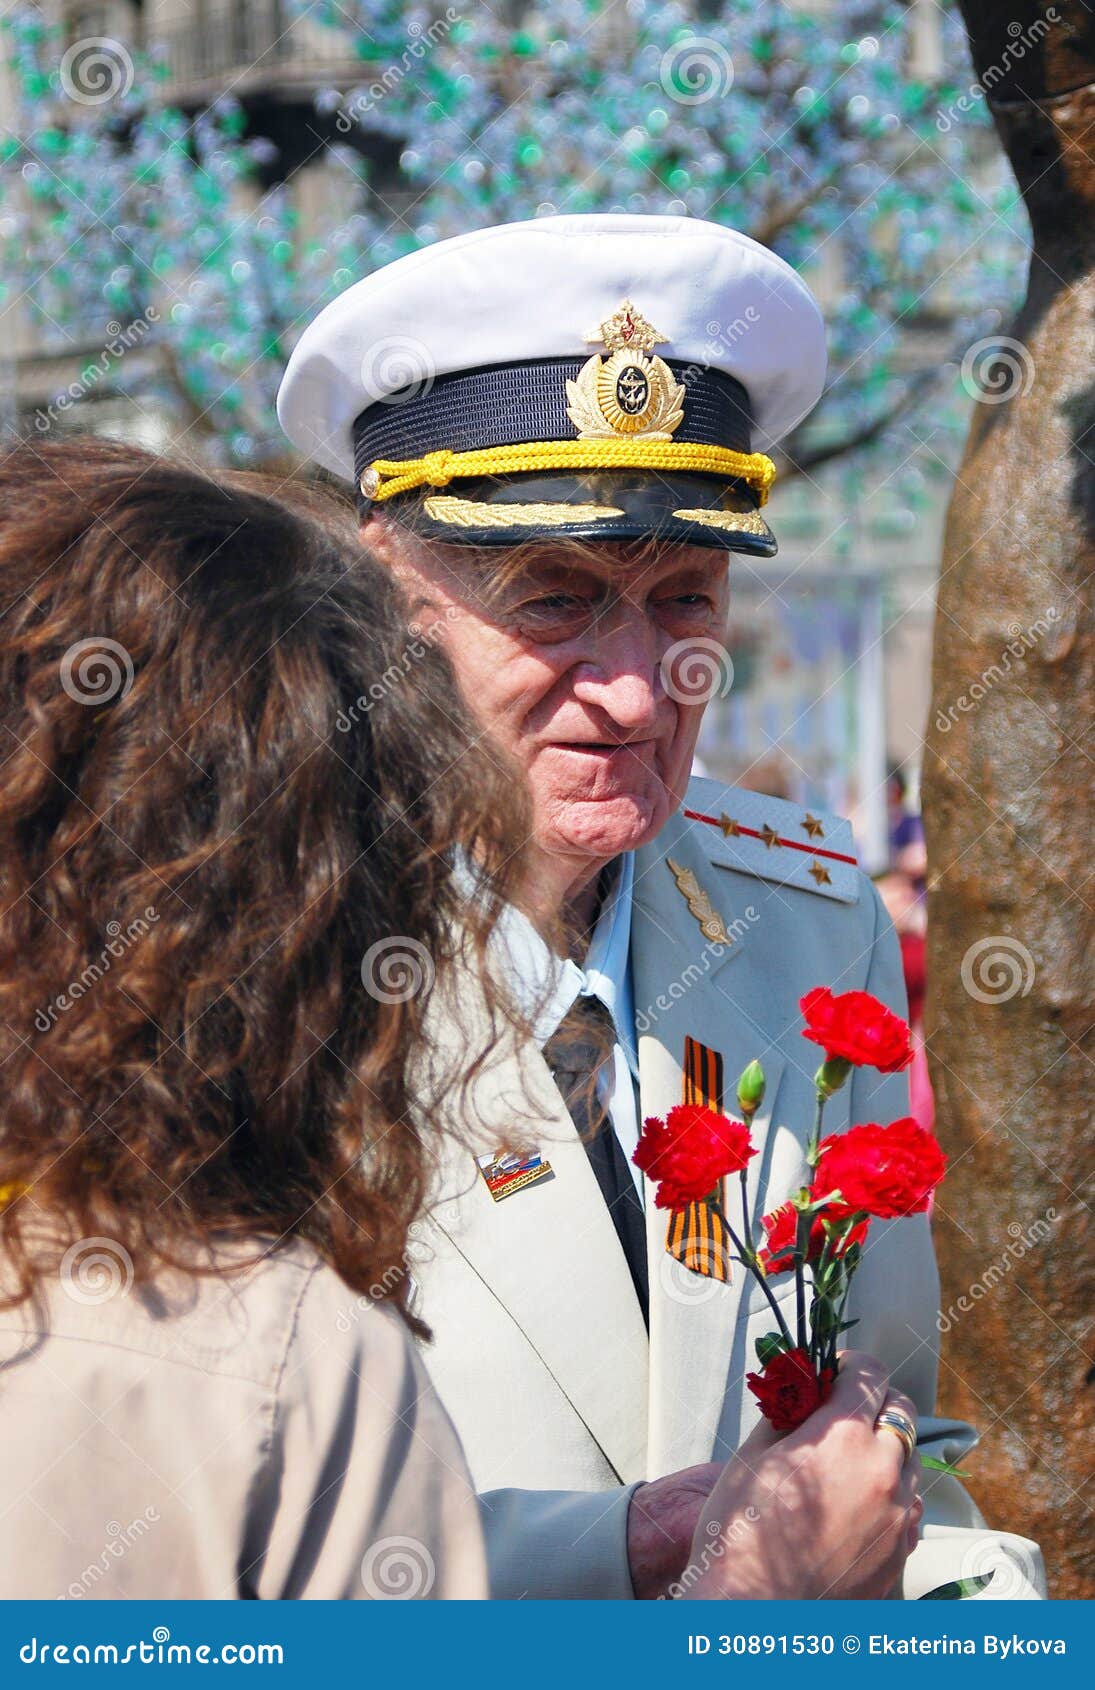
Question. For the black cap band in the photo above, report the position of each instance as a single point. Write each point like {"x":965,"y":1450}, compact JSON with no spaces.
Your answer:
{"x":517,"y":404}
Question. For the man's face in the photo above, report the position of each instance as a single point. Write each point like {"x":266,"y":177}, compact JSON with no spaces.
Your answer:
{"x":565,"y":668}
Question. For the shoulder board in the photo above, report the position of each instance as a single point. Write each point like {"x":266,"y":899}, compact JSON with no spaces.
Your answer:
{"x":773,"y":838}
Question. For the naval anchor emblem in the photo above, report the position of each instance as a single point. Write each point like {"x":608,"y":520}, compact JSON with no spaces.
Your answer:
{"x":629,"y":391}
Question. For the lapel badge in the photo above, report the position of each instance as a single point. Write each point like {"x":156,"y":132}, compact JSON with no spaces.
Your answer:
{"x":630,"y":391}
{"x":508,"y":1171}
{"x":711,"y":923}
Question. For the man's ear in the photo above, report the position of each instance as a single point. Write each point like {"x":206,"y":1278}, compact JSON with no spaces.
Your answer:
{"x":398,"y":551}
{"x":376,"y":536}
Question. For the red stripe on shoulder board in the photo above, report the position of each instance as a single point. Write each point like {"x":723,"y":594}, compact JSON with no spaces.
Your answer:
{"x":794,"y":844}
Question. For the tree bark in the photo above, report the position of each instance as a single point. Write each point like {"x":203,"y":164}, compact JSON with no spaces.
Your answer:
{"x":1008,"y":777}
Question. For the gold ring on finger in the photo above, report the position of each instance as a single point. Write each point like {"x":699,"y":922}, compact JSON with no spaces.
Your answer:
{"x":892,"y":1420}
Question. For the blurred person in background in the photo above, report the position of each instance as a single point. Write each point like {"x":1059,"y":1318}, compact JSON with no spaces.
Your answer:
{"x":906,"y":831}
{"x":906,"y":909}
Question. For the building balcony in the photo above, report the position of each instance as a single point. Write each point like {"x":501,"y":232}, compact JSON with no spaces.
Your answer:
{"x":246,"y":47}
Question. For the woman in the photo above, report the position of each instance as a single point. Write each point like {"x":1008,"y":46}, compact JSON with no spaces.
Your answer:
{"x":230,"y":780}
{"x":232,"y":788}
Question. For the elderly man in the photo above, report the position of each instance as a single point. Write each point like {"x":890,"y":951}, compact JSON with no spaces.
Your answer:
{"x":554,"y":430}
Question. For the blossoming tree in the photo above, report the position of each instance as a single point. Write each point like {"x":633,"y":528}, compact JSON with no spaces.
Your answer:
{"x":827,"y":133}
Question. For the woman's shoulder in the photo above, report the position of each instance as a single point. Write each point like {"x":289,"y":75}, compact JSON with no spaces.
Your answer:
{"x":240,"y":1316}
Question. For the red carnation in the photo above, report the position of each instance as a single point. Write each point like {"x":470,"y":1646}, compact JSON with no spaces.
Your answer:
{"x":788,"y":1390}
{"x":856,"y":1028}
{"x":887,"y":1171}
{"x":689,"y":1152}
{"x":781,"y":1227}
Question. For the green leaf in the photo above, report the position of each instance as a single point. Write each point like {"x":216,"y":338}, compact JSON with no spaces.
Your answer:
{"x":957,"y":1589}
{"x":933,"y":1463}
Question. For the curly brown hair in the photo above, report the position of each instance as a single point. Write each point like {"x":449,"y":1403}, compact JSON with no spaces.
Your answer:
{"x":232,"y":782}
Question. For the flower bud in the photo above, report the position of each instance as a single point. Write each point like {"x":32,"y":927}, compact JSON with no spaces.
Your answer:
{"x":832,"y":1075}
{"x":751,"y":1089}
{"x":768,"y":1347}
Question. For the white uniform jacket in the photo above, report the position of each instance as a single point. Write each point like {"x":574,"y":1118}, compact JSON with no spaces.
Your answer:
{"x":540,"y":1352}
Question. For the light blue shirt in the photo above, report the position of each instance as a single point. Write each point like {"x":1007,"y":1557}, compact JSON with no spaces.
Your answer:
{"x":555,"y":983}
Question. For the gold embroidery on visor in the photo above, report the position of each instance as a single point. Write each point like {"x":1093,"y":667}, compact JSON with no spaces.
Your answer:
{"x":734,"y":522}
{"x":473,"y":513}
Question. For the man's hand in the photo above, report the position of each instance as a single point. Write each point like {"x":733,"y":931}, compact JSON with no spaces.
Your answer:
{"x":831,"y":1510}
{"x":661,"y":1523}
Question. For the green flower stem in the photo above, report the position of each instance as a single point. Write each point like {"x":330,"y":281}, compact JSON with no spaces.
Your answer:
{"x":815,"y":1138}
{"x":746,"y":1228}
{"x":835,"y":1335}
{"x":821,"y":1272}
{"x":802,"y":1245}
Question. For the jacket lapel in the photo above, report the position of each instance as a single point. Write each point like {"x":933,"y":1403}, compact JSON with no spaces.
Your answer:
{"x":685,"y":987}
{"x":550,"y":1253}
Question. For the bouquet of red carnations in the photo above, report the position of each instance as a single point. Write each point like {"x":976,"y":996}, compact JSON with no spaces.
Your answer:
{"x":868,"y":1172}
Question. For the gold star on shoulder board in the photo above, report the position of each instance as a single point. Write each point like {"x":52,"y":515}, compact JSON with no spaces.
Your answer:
{"x":730,"y":828}
{"x":820,"y":873}
{"x":813,"y":826}
{"x":769,"y":835}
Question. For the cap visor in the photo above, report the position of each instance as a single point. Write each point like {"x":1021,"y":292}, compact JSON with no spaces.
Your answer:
{"x":687,"y":510}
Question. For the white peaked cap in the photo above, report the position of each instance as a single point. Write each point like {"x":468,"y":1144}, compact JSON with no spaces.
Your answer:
{"x":722,"y":306}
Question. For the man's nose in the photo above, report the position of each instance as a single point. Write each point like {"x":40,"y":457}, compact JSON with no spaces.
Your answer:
{"x":622,"y":675}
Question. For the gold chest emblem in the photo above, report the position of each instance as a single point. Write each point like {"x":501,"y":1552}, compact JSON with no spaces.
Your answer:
{"x":630,"y":391}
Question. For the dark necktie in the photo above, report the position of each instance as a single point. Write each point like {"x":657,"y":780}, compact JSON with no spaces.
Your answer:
{"x":574,"y":1053}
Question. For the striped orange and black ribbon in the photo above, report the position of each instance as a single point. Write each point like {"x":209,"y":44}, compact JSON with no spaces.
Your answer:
{"x":697,"y":1236}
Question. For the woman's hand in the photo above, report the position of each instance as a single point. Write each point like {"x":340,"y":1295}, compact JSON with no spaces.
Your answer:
{"x":830,"y":1510}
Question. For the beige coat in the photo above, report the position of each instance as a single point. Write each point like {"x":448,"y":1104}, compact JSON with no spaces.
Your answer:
{"x":270,"y":1435}
{"x":540,"y":1354}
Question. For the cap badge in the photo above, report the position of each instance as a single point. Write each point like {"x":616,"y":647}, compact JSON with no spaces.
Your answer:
{"x":629,"y":391}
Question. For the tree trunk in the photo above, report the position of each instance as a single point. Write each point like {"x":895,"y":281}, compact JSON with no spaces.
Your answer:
{"x":1008,"y":778}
